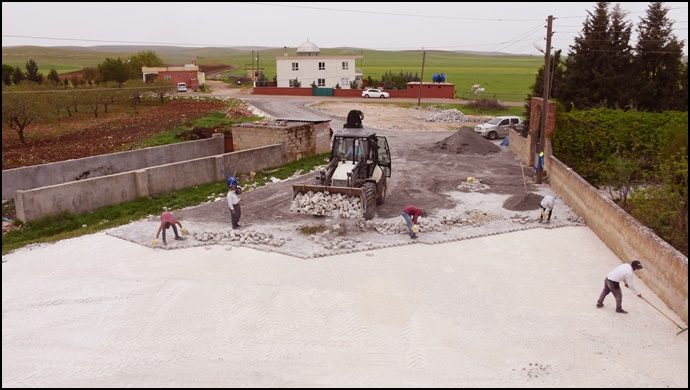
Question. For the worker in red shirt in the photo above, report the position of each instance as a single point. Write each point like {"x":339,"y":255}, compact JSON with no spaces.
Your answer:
{"x":167,"y":221}
{"x":410,"y":214}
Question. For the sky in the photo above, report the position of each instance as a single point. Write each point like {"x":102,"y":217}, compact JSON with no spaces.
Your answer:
{"x":513,"y":28}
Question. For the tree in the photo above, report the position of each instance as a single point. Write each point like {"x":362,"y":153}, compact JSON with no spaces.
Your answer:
{"x":7,"y":71}
{"x":621,"y":92}
{"x":591,"y":79}
{"x":53,"y":77}
{"x":113,"y":70}
{"x":32,"y":73}
{"x":147,"y":58}
{"x":658,"y":62}
{"x":162,"y":88}
{"x":20,"y":108}
{"x":135,"y":91}
{"x":90,"y":75}
{"x":18,"y":76}
{"x":262,"y":81}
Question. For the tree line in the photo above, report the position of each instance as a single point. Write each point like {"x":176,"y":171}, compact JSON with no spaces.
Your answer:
{"x":603,"y":69}
{"x":621,"y":115}
{"x":28,"y":96}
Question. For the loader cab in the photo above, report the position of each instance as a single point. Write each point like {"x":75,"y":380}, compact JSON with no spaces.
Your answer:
{"x":355,"y":144}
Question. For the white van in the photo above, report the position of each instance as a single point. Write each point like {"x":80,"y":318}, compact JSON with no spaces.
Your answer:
{"x":181,"y":87}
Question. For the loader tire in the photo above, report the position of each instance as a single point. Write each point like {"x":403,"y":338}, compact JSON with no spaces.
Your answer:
{"x":369,"y":206}
{"x":381,"y":189}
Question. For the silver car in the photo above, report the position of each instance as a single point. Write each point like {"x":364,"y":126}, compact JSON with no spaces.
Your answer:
{"x":499,"y":126}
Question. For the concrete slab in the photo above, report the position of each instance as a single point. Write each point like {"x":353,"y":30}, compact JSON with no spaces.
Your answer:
{"x":519,"y":311}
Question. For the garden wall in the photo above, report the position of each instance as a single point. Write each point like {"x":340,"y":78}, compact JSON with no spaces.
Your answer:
{"x":36,"y":176}
{"x":88,"y":195}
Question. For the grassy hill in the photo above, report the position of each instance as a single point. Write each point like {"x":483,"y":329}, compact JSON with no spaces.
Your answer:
{"x":505,"y":77}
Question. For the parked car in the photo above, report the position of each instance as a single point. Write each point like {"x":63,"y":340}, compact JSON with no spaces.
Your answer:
{"x":499,"y":126}
{"x":375,"y":93}
{"x":181,"y":87}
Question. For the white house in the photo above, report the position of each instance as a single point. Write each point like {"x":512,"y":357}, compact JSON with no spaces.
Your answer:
{"x":309,"y":67}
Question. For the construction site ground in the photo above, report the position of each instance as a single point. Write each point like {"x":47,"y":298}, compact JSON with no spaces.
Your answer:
{"x":432,"y":161}
{"x":485,"y":297}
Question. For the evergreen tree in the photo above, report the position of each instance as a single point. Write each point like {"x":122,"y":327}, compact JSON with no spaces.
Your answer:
{"x":32,"y":73}
{"x":592,"y":64}
{"x":658,"y":62}
{"x":7,"y":71}
{"x":621,"y":51}
{"x":53,"y":77}
{"x":18,"y":76}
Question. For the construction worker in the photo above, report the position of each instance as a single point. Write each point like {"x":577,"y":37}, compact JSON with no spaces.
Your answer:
{"x":167,"y":221}
{"x":546,"y":206}
{"x":622,"y":273}
{"x":410,"y":214}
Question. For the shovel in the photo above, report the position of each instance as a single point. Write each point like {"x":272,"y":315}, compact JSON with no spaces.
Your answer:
{"x":674,"y":322}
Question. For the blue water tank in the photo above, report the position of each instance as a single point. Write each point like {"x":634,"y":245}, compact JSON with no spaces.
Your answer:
{"x":442,"y":78}
{"x":435,"y":78}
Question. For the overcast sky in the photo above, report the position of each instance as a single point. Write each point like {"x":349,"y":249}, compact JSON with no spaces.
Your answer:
{"x":505,"y":27}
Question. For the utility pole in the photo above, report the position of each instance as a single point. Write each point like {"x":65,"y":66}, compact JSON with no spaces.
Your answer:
{"x":545,"y":109}
{"x":252,"y":65}
{"x":421,"y":80}
{"x":258,"y":70}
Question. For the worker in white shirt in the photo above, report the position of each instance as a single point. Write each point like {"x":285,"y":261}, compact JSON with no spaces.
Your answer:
{"x":546,"y":208}
{"x":622,"y":273}
{"x":234,"y":204}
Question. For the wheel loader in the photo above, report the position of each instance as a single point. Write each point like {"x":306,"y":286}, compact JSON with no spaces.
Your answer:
{"x":359,"y":165}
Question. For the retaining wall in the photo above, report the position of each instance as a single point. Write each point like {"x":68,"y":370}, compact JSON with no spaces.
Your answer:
{"x":665,"y":268}
{"x":36,"y":176}
{"x":88,"y":195}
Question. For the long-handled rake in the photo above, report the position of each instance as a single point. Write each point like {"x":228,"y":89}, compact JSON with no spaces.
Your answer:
{"x":674,"y":322}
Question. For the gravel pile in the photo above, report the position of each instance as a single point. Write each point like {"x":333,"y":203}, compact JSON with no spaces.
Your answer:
{"x":452,"y":115}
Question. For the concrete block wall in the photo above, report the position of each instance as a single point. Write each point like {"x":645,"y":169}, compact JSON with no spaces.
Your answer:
{"x":301,"y":139}
{"x":521,"y":146}
{"x":88,"y":195}
{"x":665,"y":268}
{"x":36,"y":176}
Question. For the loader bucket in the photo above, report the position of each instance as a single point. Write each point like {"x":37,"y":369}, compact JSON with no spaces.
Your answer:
{"x":368,"y":205}
{"x":349,"y":191}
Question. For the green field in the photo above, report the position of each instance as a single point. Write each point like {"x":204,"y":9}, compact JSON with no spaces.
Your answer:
{"x":504,"y":77}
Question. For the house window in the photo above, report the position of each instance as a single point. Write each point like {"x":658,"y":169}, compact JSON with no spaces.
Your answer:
{"x":346,"y":65}
{"x":167,"y":77}
{"x":321,"y":83}
{"x":293,"y":82}
{"x":295,"y":66}
{"x":344,"y":81}
{"x":322,"y":66}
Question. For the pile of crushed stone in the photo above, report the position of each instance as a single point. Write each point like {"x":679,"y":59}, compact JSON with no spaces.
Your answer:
{"x":523,"y":202}
{"x":438,"y":115}
{"x":466,"y":141}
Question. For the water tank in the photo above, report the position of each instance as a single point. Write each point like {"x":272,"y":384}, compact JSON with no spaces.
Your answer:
{"x":442,"y":78}
{"x":435,"y":78}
